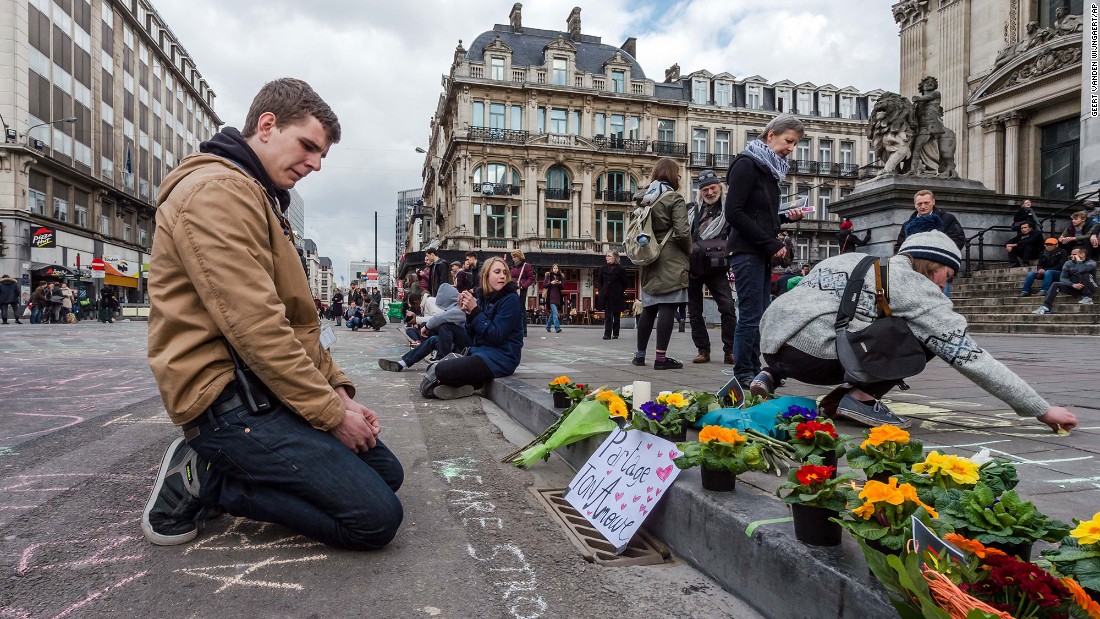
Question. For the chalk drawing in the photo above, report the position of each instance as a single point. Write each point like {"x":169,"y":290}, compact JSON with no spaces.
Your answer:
{"x":128,"y":419}
{"x":97,"y":558}
{"x":8,"y":451}
{"x":88,"y":600}
{"x":522,"y":607}
{"x":235,"y":574}
{"x":76,"y":419}
{"x":239,"y":536}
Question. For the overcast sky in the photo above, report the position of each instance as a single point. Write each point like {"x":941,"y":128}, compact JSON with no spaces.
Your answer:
{"x":379,"y":64}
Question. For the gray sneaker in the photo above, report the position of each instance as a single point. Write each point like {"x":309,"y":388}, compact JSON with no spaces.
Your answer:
{"x":390,"y":365}
{"x":1085,"y":301}
{"x":173,"y":514}
{"x":872,"y":414}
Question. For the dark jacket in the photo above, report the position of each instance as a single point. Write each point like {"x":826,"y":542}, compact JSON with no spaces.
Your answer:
{"x":552,"y":282}
{"x":1078,"y":272}
{"x":468,"y":278}
{"x":1028,"y":246}
{"x":523,"y":274}
{"x":951,"y":227}
{"x":849,"y":240}
{"x":1025,"y":216}
{"x":752,"y":209}
{"x":1052,"y":260}
{"x":611,"y":282}
{"x":496,"y":329}
{"x":9,"y":291}
{"x":1077,"y":237}
{"x":669,"y":272}
{"x":438,"y":273}
{"x":700,"y":265}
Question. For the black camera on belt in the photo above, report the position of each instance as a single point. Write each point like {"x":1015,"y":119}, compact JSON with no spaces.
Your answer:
{"x":252,"y":390}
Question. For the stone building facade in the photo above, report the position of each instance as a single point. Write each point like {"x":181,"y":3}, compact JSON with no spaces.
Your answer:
{"x":541,"y":137}
{"x":103,"y":102}
{"x":1010,"y":77}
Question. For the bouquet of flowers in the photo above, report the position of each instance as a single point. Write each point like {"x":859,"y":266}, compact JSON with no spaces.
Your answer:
{"x":814,"y":485}
{"x":722,"y":449}
{"x":885,"y":450}
{"x":884,"y":515}
{"x":1079,"y":554}
{"x":588,"y":417}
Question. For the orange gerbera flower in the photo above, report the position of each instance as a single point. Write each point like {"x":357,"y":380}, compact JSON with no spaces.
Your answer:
{"x":721,"y":435}
{"x":561,"y":380}
{"x":1080,"y":598}
{"x":883,"y":434}
{"x":605,"y":396}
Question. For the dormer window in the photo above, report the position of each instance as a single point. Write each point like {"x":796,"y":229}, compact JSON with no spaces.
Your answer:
{"x":559,"y":70}
{"x":783,"y":100}
{"x":722,"y":94}
{"x":699,"y":92}
{"x":755,"y":98}
{"x":825,"y":104}
{"x":496,"y":68}
{"x":846,"y":107}
{"x":805,"y":103}
{"x":618,"y":81}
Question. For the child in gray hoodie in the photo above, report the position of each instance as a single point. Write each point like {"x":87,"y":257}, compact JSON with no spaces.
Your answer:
{"x":444,"y":332}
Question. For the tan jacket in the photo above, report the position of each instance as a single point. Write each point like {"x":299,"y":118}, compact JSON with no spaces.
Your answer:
{"x":222,"y":267}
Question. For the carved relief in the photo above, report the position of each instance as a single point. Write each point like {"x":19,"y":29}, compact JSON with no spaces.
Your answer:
{"x":1047,"y":62}
{"x":909,"y":12}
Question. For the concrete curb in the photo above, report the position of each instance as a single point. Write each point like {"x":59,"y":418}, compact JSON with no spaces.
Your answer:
{"x":771,"y":570}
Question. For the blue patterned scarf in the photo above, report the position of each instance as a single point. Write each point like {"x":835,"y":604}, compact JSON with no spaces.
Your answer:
{"x":759,"y":151}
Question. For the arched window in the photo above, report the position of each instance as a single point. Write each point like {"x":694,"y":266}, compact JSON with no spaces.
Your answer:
{"x":615,"y":186}
{"x":557,"y":183}
{"x":494,"y":179}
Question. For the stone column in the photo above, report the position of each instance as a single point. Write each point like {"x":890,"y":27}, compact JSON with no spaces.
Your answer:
{"x":1089,"y":173}
{"x":993,"y":152}
{"x":1012,"y":152}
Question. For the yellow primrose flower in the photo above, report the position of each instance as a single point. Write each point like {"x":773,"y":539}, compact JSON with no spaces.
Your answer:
{"x":733,"y":437}
{"x":605,"y":396}
{"x":561,"y":380}
{"x":962,"y":471}
{"x":883,"y":434}
{"x":1088,"y":532}
{"x":618,"y":408}
{"x":711,"y":433}
{"x":878,"y":492}
{"x":673,"y":399}
{"x":865,"y":511}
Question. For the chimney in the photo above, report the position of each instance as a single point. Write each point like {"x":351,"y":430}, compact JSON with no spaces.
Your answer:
{"x":516,"y":17}
{"x":630,"y":46}
{"x":573,"y":24}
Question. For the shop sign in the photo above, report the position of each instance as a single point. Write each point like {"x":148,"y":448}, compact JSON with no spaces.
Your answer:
{"x":44,"y":237}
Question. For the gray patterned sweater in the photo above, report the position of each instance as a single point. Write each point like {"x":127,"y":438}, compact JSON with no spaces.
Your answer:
{"x":803,"y":318}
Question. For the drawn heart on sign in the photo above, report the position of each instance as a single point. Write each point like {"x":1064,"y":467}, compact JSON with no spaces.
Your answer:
{"x":660,"y":454}
{"x":649,"y":499}
{"x":649,"y":446}
{"x":623,"y":506}
{"x":672,"y":454}
{"x":649,"y":489}
{"x":658,"y":493}
{"x":589,"y":513}
{"x":618,"y":495}
{"x":663,"y":474}
{"x":642,"y":509}
{"x":608,"y":471}
{"x":635,"y":500}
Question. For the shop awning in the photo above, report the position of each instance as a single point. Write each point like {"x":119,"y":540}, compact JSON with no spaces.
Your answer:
{"x":55,"y":271}
{"x":113,"y":277}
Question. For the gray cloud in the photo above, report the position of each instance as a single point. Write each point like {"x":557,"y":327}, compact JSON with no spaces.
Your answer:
{"x":379,"y":65}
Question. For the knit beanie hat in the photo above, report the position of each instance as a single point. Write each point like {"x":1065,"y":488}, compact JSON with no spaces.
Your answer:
{"x":708,"y":177}
{"x":935,"y":246}
{"x":845,"y":225}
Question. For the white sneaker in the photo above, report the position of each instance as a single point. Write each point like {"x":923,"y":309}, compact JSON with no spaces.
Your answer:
{"x":1085,"y":301}
{"x":1042,"y":311}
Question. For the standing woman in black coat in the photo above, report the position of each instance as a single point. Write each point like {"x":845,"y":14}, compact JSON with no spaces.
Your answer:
{"x":611,"y":282}
{"x":752,"y":211}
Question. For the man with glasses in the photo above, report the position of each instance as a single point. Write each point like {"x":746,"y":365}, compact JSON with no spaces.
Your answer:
{"x":709,"y":267}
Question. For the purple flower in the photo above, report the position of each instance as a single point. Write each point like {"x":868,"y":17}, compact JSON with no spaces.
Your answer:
{"x":654,"y":411}
{"x":800,"y":411}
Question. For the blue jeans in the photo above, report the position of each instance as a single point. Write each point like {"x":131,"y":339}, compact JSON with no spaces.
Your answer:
{"x":277,"y":468}
{"x":448,"y":338}
{"x":36,"y":315}
{"x":356,"y":322}
{"x":552,"y":319}
{"x":1049,"y":276}
{"x":752,"y":280}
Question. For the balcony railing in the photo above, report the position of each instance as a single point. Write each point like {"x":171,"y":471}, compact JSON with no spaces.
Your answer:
{"x":611,"y":195}
{"x":497,"y":243}
{"x":699,"y":160}
{"x":616,"y":143}
{"x":670,"y":149}
{"x":722,"y":161}
{"x":821,"y":168}
{"x":498,"y":135}
{"x":613,"y":247}
{"x":555,"y":193}
{"x":566,"y":244}
{"x":498,"y":189}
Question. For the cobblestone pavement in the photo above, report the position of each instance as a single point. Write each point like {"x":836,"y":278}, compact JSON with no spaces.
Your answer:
{"x":1061,"y":474}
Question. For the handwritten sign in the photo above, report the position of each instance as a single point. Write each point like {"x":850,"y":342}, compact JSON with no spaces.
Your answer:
{"x":621,"y":483}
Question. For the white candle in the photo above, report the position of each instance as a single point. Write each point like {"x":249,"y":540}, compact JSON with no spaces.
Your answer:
{"x":641,"y":393}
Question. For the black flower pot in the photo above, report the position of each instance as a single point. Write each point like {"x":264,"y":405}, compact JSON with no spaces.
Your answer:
{"x":829,"y":459}
{"x":679,"y":437}
{"x":874,"y":544}
{"x":812,"y":525}
{"x":718,"y":481}
{"x":1023,"y":551}
{"x":561,"y":400}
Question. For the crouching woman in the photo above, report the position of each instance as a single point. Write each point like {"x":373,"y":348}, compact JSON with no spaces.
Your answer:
{"x":494,"y":322}
{"x":799,"y":336}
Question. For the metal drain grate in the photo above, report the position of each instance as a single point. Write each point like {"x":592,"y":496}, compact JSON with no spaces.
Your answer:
{"x":644,"y":549}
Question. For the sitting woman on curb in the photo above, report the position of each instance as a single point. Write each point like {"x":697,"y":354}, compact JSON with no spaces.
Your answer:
{"x":494,"y":322}
{"x":799,"y":336}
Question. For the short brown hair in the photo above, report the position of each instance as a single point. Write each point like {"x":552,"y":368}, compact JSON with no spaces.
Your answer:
{"x":291,"y":100}
{"x":1079,"y":215}
{"x":667,"y":170}
{"x":923,"y":192}
{"x":925,"y":267}
{"x":487,"y":267}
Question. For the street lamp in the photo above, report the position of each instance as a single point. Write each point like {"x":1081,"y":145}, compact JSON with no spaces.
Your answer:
{"x":67,"y":119}
{"x":10,"y":135}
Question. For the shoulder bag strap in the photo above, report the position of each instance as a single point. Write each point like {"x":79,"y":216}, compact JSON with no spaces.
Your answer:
{"x":850,"y":298}
{"x":882,"y":285}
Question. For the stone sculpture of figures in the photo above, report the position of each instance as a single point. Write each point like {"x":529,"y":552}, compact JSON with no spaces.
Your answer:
{"x":1064,"y":23}
{"x":910,"y":137}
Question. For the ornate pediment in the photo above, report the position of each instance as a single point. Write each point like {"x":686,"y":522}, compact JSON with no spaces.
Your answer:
{"x":498,"y":46}
{"x":561,"y":44}
{"x":909,"y":12}
{"x":617,"y":61}
{"x":1033,"y":64}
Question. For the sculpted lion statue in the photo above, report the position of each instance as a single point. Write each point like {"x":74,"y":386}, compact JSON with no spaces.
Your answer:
{"x":909,"y":136}
{"x":890,"y":129}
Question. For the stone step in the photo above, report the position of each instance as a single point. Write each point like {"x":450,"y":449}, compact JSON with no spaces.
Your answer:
{"x":1062,"y":304}
{"x":1013,"y":285}
{"x":1030,"y":318}
{"x":1033,"y":329}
